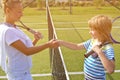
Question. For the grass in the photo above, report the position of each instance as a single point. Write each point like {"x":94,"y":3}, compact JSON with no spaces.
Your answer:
{"x":73,"y":59}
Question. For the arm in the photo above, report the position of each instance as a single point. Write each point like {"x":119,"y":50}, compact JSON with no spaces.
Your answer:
{"x":35,"y":41}
{"x":71,"y":45}
{"x":109,"y":65}
{"x":13,"y":40}
{"x":19,"y":45}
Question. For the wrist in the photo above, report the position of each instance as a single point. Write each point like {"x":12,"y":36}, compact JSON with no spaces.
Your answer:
{"x":99,"y":51}
{"x":49,"y":43}
{"x":60,"y":42}
{"x":35,"y":40}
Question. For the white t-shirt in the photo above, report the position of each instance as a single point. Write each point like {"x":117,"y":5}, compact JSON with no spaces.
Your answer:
{"x":17,"y":61}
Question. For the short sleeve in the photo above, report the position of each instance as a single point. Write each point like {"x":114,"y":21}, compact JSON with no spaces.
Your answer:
{"x":11,"y":36}
{"x":87,"y":43}
{"x":110,"y":53}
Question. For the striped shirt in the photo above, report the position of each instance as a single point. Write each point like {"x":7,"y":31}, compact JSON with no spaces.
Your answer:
{"x":93,"y":68}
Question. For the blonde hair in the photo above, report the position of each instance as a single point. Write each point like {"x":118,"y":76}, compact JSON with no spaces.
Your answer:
{"x":9,"y":3}
{"x":103,"y":25}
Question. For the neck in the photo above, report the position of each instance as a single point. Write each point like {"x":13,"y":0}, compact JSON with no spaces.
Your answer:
{"x":9,"y":20}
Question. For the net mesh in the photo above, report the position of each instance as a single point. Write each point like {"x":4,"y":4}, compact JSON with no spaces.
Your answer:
{"x":58,"y":67}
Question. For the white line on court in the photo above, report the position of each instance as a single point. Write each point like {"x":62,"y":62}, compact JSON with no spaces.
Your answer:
{"x":49,"y":74}
{"x":69,"y":28}
{"x":54,"y":22}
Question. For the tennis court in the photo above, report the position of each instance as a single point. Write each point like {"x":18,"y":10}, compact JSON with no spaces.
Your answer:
{"x":70,"y":27}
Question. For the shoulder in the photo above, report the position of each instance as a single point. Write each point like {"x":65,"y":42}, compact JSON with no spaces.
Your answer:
{"x":109,"y":51}
{"x":3,"y":26}
{"x":107,"y":47}
{"x":3,"y":29}
{"x":87,"y":43}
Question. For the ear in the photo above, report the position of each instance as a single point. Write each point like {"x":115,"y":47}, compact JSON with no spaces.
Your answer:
{"x":7,"y":10}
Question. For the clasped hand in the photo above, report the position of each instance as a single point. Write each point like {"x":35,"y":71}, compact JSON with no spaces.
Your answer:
{"x":54,"y":43}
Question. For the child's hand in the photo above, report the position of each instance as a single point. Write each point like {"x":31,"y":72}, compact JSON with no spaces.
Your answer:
{"x":54,"y":43}
{"x":97,"y":49}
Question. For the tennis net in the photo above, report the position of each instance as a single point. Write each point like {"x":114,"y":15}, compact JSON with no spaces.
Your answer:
{"x":59,"y":71}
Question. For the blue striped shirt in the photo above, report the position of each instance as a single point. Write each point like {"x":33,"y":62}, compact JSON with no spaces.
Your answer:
{"x":93,"y":68}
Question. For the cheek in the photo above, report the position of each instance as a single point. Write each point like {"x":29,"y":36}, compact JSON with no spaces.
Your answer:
{"x":12,"y":15}
{"x":91,"y":32}
{"x":18,"y":15}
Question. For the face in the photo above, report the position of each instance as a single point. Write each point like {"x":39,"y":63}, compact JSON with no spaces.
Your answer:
{"x":94,"y":33}
{"x":16,"y":12}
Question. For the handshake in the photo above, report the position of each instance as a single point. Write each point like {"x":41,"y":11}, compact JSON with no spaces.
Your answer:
{"x":53,"y":43}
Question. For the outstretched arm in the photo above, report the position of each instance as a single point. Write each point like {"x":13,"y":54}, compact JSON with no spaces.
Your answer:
{"x":19,"y":45}
{"x":71,"y":45}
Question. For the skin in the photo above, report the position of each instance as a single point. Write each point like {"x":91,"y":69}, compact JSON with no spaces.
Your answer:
{"x":14,"y":14}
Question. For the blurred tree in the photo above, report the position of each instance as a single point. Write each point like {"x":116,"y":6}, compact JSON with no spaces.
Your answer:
{"x":114,"y":2}
{"x":41,"y":4}
{"x":62,"y":3}
{"x":98,"y":3}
